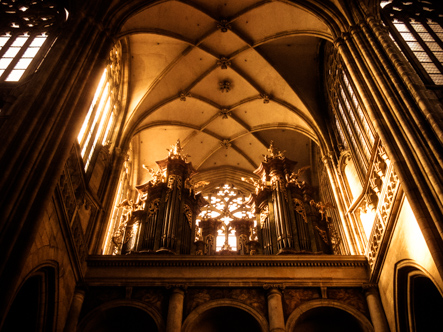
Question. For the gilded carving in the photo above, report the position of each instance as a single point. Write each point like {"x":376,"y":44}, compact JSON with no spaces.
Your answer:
{"x":264,"y":213}
{"x":153,"y":207}
{"x":259,"y":185}
{"x":273,"y":153}
{"x":156,"y":177}
{"x":299,"y":208}
{"x":188,"y":214}
{"x":294,"y":177}
{"x":321,"y":207}
{"x":323,"y":234}
{"x":117,"y":238}
{"x":334,"y":237}
{"x":176,"y":152}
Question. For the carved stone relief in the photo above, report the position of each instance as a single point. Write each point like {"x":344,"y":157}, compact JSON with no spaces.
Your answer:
{"x":353,"y":297}
{"x":252,"y":297}
{"x":292,"y":298}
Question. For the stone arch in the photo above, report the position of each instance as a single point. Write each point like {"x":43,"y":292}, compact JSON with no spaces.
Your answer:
{"x":93,"y":317}
{"x":34,"y":305}
{"x":197,"y":314}
{"x":297,"y":315}
{"x":418,"y":298}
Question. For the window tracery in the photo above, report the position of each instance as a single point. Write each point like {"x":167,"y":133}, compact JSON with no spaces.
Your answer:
{"x":25,"y":28}
{"x":417,"y":29}
{"x":226,"y":203}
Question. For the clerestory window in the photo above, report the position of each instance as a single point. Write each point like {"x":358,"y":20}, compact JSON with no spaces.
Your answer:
{"x":416,"y":26}
{"x":353,"y":129}
{"x":98,"y":126}
{"x":27,"y":30}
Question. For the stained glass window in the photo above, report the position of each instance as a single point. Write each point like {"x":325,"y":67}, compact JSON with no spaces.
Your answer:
{"x":226,"y":202}
{"x":416,"y":28}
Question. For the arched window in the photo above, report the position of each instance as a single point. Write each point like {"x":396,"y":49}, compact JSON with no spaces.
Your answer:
{"x":26,"y":34}
{"x":417,"y":28}
{"x":226,"y":202}
{"x":98,"y":126}
{"x":352,"y":127}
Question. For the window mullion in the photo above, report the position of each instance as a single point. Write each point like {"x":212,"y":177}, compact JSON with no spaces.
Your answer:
{"x":407,"y":51}
{"x":424,"y":46}
{"x":355,"y":153}
{"x":357,"y":118}
{"x":360,"y":103}
{"x":351,"y":125}
{"x":433,"y":34}
{"x":8,"y":44}
{"x":17,"y":57}
{"x":93,"y":114}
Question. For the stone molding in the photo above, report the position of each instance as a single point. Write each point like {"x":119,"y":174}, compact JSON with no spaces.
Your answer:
{"x":264,"y":261}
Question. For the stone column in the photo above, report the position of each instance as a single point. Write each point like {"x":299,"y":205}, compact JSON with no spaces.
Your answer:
{"x":74,"y":311}
{"x":175,"y":310}
{"x":376,"y":309}
{"x":275,"y":311}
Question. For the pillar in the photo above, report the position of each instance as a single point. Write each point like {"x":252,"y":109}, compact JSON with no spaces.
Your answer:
{"x":175,"y":310}
{"x":275,"y":311}
{"x":376,"y":309}
{"x":74,"y":311}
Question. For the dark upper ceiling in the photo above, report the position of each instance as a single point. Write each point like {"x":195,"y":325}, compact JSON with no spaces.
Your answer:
{"x":273,"y":51}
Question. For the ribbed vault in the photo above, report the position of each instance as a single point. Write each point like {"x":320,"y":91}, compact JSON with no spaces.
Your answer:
{"x":226,"y":78}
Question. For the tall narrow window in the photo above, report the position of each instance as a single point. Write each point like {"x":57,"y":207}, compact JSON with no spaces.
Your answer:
{"x":417,"y":28}
{"x":353,"y":129}
{"x":97,"y":129}
{"x":25,"y":36}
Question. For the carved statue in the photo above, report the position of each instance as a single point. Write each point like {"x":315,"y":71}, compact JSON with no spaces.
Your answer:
{"x":321,"y":207}
{"x":273,"y":153}
{"x":156,"y":177}
{"x":133,"y":210}
{"x":294,"y":177}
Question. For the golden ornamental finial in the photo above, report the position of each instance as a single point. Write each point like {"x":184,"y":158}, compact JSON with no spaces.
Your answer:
{"x":176,"y":152}
{"x":274,"y":153}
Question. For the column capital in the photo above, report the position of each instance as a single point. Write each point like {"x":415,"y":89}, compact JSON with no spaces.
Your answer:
{"x":274,"y":287}
{"x":177,"y":287}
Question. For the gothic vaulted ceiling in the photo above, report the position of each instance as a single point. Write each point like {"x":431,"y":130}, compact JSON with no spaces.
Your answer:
{"x":225,"y":77}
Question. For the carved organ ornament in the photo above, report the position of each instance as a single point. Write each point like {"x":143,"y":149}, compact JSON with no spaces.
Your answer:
{"x":280,"y":217}
{"x":166,"y":211}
